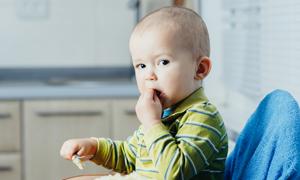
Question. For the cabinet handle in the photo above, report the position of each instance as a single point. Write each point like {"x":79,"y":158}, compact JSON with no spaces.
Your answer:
{"x":130,"y":112}
{"x":69,"y":113}
{"x":5,"y":168}
{"x":5,"y":116}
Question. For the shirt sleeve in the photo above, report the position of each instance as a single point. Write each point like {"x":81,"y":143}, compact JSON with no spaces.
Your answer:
{"x":117,"y":155}
{"x":191,"y":150}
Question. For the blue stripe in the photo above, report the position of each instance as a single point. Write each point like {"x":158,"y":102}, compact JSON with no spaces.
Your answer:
{"x":126,"y":162}
{"x":158,"y":139}
{"x":200,"y":138}
{"x":116,"y":152}
{"x":220,"y":159}
{"x":204,"y":112}
{"x":142,"y":145}
{"x":130,"y":148}
{"x":191,"y":162}
{"x":212,"y":171}
{"x":140,"y":133}
{"x":147,"y":170}
{"x":161,"y":151}
{"x":222,"y":138}
{"x":109,"y":142}
{"x":221,"y":124}
{"x":171,"y":164}
{"x":212,"y":129}
{"x":130,"y":163}
{"x":224,"y":147}
{"x":181,"y":172}
{"x":203,"y":157}
{"x":136,"y":135}
{"x":128,"y":139}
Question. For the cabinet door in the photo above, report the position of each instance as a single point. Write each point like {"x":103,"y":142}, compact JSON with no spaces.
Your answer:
{"x":9,"y":126}
{"x":125,"y":121}
{"x":10,"y":166}
{"x":48,"y":123}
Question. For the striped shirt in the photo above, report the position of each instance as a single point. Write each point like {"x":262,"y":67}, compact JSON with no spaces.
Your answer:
{"x":191,"y":143}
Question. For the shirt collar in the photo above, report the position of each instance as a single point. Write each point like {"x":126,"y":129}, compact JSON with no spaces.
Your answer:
{"x":196,"y":97}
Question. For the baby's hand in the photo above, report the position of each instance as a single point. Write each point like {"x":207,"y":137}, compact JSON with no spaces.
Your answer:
{"x":148,"y":109}
{"x":86,"y":147}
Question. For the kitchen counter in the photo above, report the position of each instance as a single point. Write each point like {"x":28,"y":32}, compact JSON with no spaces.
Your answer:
{"x":75,"y":89}
{"x":58,"y":110}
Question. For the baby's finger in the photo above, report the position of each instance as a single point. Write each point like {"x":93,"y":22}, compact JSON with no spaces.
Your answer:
{"x":66,"y":155}
{"x":81,"y":152}
{"x":63,"y":152}
{"x":68,"y":149}
{"x":155,"y":97}
{"x":149,"y":94}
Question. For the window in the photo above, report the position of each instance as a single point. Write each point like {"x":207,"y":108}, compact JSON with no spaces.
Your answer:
{"x":262,"y":46}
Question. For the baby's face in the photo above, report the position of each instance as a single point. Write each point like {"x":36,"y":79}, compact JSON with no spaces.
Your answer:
{"x":162,"y":64}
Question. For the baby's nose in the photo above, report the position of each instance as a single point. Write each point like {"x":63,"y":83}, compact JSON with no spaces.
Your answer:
{"x":151,"y":76}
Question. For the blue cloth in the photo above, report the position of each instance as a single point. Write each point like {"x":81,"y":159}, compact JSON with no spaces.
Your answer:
{"x":269,"y":145}
{"x":166,"y":113}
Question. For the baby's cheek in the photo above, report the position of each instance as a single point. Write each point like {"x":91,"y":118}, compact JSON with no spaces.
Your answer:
{"x":140,"y":87}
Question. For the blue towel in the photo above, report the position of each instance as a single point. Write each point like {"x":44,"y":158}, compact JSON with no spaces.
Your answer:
{"x":269,"y":145}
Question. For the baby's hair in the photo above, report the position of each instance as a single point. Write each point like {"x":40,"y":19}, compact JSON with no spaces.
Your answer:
{"x":186,"y":23}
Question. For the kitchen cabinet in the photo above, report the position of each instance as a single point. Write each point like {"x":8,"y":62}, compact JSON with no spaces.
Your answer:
{"x":10,"y":158}
{"x":10,"y":166}
{"x":9,"y":126}
{"x":48,"y":123}
{"x":124,"y":118}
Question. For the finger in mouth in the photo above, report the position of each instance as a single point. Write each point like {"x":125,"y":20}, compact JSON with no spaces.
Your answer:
{"x":158,"y":93}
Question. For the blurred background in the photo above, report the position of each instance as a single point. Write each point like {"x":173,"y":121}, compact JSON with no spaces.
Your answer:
{"x":65,"y":71}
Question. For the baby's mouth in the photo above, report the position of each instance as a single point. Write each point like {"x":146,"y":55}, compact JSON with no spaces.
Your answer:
{"x":158,"y":93}
{"x":161,"y":96}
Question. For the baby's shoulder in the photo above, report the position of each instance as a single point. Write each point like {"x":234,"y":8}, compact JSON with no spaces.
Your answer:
{"x":205,"y":107}
{"x":202,"y":111}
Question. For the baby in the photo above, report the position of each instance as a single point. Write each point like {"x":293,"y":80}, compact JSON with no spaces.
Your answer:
{"x":182,"y":135}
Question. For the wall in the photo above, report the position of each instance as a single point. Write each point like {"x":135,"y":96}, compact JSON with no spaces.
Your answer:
{"x":54,"y":33}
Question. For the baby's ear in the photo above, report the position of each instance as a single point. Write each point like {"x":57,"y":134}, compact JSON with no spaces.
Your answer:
{"x":203,"y":67}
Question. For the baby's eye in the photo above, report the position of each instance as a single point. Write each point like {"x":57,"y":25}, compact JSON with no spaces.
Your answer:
{"x":164,"y":62}
{"x":140,"y":66}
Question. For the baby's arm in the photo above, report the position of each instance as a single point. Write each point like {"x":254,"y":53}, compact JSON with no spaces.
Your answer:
{"x":190,"y":152}
{"x":117,"y":155}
